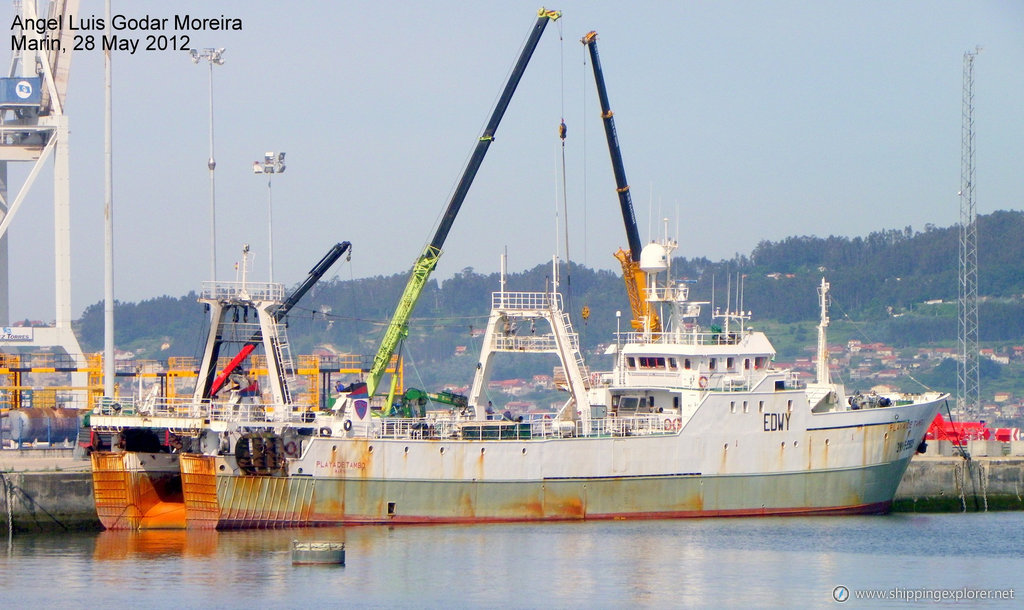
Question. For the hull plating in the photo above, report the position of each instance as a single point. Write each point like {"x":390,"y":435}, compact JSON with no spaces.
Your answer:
{"x":842,"y":463}
{"x":283,"y":502}
{"x":138,"y":491}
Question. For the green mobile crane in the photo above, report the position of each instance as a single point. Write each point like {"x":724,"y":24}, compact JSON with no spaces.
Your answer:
{"x":398,"y":328}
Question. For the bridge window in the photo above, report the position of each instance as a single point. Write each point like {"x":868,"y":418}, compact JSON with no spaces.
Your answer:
{"x":712,"y":363}
{"x":746,"y":408}
{"x":672,"y":364}
{"x":652,"y":362}
{"x":686,"y":363}
{"x":759,"y":362}
{"x":746,"y":364}
{"x":732,"y":406}
{"x":729,"y":364}
{"x":630,"y":362}
{"x":760,"y":406}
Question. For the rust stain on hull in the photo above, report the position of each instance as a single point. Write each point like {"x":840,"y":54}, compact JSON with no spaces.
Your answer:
{"x":136,"y":498}
{"x":199,"y":491}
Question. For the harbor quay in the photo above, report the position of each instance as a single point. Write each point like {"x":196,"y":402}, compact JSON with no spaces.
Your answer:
{"x":52,"y":491}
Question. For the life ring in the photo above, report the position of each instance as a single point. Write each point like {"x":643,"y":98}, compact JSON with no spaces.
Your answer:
{"x":291,"y":449}
{"x":678,"y":424}
{"x":595,"y":378}
{"x":347,"y":425}
{"x":702,"y":382}
{"x":667,"y":425}
{"x":325,"y":431}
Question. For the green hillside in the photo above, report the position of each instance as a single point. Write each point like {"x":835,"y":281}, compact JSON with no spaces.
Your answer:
{"x":880,"y":286}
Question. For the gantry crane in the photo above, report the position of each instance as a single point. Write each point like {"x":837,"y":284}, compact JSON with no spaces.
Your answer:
{"x":398,"y":327}
{"x":644,"y":316}
{"x":275,"y":314}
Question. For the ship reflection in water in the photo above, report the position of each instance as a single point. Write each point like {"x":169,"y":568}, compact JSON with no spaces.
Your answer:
{"x":756,"y":562}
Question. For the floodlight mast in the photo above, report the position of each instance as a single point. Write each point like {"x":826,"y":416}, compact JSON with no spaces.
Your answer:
{"x":213,"y":57}
{"x":273,"y":163}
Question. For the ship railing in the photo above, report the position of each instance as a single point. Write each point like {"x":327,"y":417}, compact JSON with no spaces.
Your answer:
{"x":524,"y":301}
{"x":152,"y":407}
{"x":186,"y":407}
{"x":244,"y":291}
{"x":682,"y":338}
{"x":525,"y":343}
{"x":463,"y":429}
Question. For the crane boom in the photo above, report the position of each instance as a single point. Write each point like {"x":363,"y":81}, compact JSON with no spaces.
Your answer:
{"x":634,"y":277}
{"x":398,"y":327}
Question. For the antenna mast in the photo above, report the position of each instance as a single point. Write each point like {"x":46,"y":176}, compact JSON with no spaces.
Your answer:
{"x":968,"y":396}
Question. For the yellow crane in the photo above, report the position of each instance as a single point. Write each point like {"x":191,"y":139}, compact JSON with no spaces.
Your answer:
{"x":644,"y":316}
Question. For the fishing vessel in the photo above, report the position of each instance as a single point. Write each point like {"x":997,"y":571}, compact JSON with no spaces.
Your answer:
{"x":689,"y":422}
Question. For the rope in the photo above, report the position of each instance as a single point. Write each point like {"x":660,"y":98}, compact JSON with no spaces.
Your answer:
{"x":10,"y":513}
{"x":584,"y":114}
{"x":958,"y":479}
{"x":865,"y":336}
{"x":983,"y":478}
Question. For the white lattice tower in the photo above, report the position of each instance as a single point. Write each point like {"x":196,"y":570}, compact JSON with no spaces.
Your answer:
{"x":968,"y":380}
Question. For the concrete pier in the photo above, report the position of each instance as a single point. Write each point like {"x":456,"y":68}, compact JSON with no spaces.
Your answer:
{"x":48,"y":501}
{"x":46,"y":491}
{"x":953,"y":484}
{"x":49,"y":490}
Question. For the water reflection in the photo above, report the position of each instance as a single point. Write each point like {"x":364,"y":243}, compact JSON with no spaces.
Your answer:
{"x":150,"y":544}
{"x":720,"y":562}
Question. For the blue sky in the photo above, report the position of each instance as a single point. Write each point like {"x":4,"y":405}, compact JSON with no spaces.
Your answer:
{"x":742,"y":121}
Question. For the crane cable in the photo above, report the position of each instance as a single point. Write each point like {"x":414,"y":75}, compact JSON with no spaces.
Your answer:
{"x":562,"y":131}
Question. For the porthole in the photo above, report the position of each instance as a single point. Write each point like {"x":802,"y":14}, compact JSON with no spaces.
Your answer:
{"x":407,"y":450}
{"x":442,"y":450}
{"x":222,"y":468}
{"x":783,"y":444}
{"x":524,"y":450}
{"x":300,"y":471}
{"x":370,"y":449}
{"x":795,"y":443}
{"x":483,"y":450}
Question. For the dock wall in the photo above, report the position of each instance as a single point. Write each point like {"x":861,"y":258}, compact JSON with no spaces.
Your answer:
{"x":47,"y":501}
{"x":953,"y":484}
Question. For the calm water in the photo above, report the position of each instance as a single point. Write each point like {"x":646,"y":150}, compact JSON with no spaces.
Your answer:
{"x":714,"y":562}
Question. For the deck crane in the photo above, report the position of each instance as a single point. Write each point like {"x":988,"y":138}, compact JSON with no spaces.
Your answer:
{"x":398,"y":328}
{"x":214,"y":384}
{"x":634,"y":277}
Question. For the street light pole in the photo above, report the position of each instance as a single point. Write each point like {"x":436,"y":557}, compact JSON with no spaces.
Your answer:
{"x":213,"y":56}
{"x":273,"y":163}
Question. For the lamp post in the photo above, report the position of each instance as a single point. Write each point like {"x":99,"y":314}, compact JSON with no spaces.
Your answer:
{"x":273,"y":163}
{"x":213,"y":56}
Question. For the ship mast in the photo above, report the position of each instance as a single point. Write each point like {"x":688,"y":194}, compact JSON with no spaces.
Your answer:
{"x":823,"y":375}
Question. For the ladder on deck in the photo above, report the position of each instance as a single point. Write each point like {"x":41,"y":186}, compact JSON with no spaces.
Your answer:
{"x":283,"y":358}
